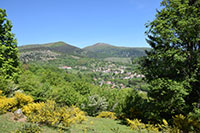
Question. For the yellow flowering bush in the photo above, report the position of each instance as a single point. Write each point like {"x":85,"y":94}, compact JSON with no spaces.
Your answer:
{"x":136,"y":124}
{"x":186,"y":123}
{"x":32,"y":107}
{"x":1,"y":93}
{"x":72,"y":115}
{"x":13,"y":103}
{"x":51,"y":114}
{"x":106,"y":114}
{"x":6,"y":104}
{"x":139,"y":126}
{"x":22,"y":99}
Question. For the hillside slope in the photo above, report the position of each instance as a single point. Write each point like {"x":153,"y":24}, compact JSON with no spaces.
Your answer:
{"x":58,"y":47}
{"x":103,"y":50}
{"x":48,"y":51}
{"x":62,"y":51}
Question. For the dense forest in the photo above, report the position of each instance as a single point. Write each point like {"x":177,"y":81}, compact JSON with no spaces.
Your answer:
{"x":57,"y":87}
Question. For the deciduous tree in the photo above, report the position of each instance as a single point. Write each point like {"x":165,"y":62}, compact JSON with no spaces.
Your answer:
{"x":172,"y":67}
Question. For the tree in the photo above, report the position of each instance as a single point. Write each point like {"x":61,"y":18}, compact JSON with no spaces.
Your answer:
{"x":9,"y":60}
{"x":172,"y":67}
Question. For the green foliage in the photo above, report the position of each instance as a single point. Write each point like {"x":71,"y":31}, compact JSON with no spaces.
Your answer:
{"x":7,"y":85}
{"x":135,"y":105}
{"x":32,"y":85}
{"x":67,"y":95}
{"x":172,"y":66}
{"x":45,"y":83}
{"x":82,"y":87}
{"x":9,"y":62}
{"x":196,"y":113}
{"x":168,"y":96}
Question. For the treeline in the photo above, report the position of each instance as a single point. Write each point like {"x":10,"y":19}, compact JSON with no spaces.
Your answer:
{"x":49,"y":83}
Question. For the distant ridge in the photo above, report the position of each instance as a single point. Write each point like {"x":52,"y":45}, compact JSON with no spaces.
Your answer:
{"x":59,"y":47}
{"x":104,"y":50}
{"x":59,"y":50}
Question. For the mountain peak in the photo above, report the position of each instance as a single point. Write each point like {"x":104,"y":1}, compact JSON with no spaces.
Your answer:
{"x":59,"y":43}
{"x":102,"y":44}
{"x":99,"y":45}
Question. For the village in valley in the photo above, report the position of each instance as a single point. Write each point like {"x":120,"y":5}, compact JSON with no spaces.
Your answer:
{"x":106,"y":73}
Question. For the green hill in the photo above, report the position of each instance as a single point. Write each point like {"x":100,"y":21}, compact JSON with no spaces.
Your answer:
{"x":48,"y":51}
{"x":58,"y":47}
{"x":61,"y":50}
{"x":103,"y":50}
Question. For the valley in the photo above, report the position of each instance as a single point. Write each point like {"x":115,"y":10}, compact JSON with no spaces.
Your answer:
{"x":110,"y":68}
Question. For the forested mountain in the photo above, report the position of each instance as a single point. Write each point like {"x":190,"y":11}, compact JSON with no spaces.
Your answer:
{"x":103,"y":50}
{"x":58,"y":47}
{"x":51,"y":51}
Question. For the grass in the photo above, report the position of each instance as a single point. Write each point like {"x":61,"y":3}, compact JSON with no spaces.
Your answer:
{"x":92,"y":125}
{"x":100,"y":125}
{"x":6,"y":125}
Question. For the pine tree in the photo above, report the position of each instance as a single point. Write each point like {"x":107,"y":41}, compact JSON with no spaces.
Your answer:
{"x":9,"y":60}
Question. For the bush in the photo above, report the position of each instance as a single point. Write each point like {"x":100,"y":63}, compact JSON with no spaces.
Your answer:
{"x":68,"y":96}
{"x":110,"y":115}
{"x":136,"y":106}
{"x":7,"y":104}
{"x":51,"y":114}
{"x":186,"y":123}
{"x":22,"y":99}
{"x":139,"y":126}
{"x":32,"y":107}
{"x":29,"y":128}
{"x":7,"y":85}
{"x":15,"y":102}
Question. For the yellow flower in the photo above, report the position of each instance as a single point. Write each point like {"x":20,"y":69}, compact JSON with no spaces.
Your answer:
{"x":165,"y":122}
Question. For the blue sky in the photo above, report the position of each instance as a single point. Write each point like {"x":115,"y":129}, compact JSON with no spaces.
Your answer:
{"x":81,"y":22}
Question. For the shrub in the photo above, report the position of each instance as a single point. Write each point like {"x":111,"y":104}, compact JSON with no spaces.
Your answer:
{"x":32,"y":107}
{"x":51,"y":114}
{"x":82,"y":87}
{"x":110,"y":115}
{"x":1,"y":93}
{"x":139,"y":126}
{"x":28,"y":128}
{"x":67,"y":95}
{"x":23,"y":99}
{"x":7,"y":85}
{"x":186,"y":123}
{"x":7,"y":104}
{"x":136,"y":124}
{"x":15,"y":102}
{"x":136,"y":106}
